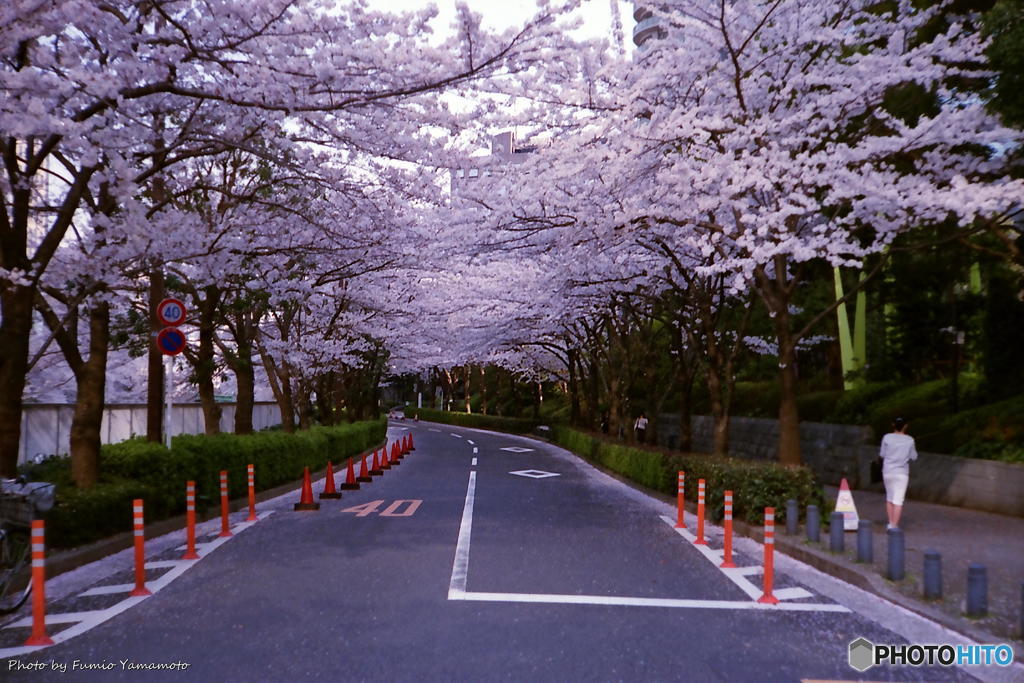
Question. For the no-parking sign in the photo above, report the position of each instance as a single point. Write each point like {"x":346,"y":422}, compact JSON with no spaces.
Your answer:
{"x":171,"y":341}
{"x":171,"y":312}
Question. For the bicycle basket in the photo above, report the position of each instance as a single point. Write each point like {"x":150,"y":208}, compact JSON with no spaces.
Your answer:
{"x":21,"y":503}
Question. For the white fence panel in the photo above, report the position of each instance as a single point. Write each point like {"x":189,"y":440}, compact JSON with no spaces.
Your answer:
{"x":46,"y":428}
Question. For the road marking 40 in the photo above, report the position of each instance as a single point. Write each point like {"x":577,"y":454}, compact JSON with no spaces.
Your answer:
{"x":411,"y":506}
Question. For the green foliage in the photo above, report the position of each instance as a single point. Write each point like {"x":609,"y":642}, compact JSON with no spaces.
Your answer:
{"x":513,"y":425}
{"x":1003,"y":336}
{"x":84,"y":516}
{"x":140,"y":469}
{"x":1005,"y":25}
{"x":854,"y":405}
{"x":755,"y":484}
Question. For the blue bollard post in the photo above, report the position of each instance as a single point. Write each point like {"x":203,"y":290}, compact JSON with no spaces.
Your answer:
{"x":792,"y":517}
{"x":895,"y":564}
{"x":977,"y":590}
{"x":865,"y":544}
{"x":835,"y":532}
{"x":813,"y":524}
{"x":932,"y":575}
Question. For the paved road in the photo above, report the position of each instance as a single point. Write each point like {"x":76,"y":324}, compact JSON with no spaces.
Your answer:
{"x":443,"y":569}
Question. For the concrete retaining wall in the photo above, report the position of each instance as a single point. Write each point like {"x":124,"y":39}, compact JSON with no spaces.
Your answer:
{"x":837,"y":451}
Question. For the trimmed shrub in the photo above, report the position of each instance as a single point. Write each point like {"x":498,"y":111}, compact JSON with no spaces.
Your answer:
{"x":140,"y":469}
{"x":755,"y":484}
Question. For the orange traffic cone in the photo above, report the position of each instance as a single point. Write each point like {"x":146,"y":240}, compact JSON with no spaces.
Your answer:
{"x":412,"y":446}
{"x":385,"y":463}
{"x":350,"y":479}
{"x":306,"y":502}
{"x":364,"y":472}
{"x":376,"y":465}
{"x":396,"y":451}
{"x":329,"y":490}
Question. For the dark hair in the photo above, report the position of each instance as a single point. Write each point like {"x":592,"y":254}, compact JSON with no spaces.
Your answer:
{"x":899,"y":423}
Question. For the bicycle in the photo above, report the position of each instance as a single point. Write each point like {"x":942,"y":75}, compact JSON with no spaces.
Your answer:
{"x":20,"y":503}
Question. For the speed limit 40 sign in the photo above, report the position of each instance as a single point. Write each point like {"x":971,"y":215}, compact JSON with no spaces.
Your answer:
{"x":171,"y":312}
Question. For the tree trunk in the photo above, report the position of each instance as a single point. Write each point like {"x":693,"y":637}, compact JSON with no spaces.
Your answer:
{"x":206,"y":361}
{"x":87,"y":421}
{"x":465,"y":386}
{"x":483,"y":390}
{"x":15,"y":331}
{"x":686,"y":415}
{"x":574,"y":390}
{"x":719,"y":414}
{"x":789,"y":418}
{"x":155,"y":381}
{"x":281,"y":386}
{"x":305,"y":406}
{"x":246,"y":399}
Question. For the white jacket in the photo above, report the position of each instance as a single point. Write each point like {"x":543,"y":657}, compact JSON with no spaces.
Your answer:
{"x":897,"y":452}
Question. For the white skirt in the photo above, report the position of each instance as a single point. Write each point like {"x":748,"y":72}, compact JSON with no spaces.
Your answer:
{"x":895,"y":486}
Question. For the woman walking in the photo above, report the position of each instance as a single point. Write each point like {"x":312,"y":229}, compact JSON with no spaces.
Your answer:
{"x":897,"y":452}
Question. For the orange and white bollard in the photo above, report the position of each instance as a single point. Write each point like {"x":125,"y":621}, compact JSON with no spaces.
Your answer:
{"x":700,"y":514}
{"x":727,"y":562}
{"x":680,"y":495}
{"x":190,"y":521}
{"x":225,"y":526}
{"x":769,"y":557}
{"x":38,"y":636}
{"x":252,"y":495}
{"x":139,"y":529}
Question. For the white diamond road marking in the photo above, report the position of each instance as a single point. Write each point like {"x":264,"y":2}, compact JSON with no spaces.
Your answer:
{"x":517,"y":449}
{"x":535,"y":474}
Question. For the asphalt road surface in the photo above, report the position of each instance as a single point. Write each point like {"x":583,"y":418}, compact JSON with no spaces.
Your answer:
{"x":473,"y":562}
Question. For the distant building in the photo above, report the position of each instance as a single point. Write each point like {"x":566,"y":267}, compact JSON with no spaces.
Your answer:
{"x":648,"y":28}
{"x":504,"y":151}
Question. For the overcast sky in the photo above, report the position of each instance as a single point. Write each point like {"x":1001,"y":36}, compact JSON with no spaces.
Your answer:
{"x":501,"y":14}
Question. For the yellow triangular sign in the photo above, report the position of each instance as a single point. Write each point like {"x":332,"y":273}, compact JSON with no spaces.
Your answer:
{"x":844,"y":504}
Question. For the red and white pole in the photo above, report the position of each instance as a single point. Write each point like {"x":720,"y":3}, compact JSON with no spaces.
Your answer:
{"x":139,"y":529}
{"x":252,"y":495}
{"x":190,"y":521}
{"x":727,"y":554}
{"x":225,"y":526}
{"x":769,"y":557}
{"x":700,"y":513}
{"x":38,"y":636}
{"x":680,"y":495}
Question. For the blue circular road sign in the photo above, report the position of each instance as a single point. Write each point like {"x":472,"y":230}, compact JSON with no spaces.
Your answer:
{"x":171,"y":341}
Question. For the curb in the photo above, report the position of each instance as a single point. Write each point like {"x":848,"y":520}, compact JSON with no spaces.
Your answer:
{"x":67,"y":560}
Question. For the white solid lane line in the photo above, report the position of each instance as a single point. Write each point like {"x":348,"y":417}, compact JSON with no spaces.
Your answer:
{"x":641,"y":602}
{"x":460,"y":568}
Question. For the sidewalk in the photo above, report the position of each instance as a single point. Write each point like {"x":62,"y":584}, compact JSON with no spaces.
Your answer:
{"x":963,"y":537}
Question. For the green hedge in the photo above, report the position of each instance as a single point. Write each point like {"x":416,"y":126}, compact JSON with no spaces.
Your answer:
{"x":754,"y":484}
{"x":513,"y":425}
{"x":140,"y":469}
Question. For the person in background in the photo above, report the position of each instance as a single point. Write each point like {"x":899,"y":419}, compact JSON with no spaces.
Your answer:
{"x":896,"y":453}
{"x":640,"y":426}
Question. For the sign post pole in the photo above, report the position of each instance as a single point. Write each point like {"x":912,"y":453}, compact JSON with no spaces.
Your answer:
{"x":168,"y":388}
